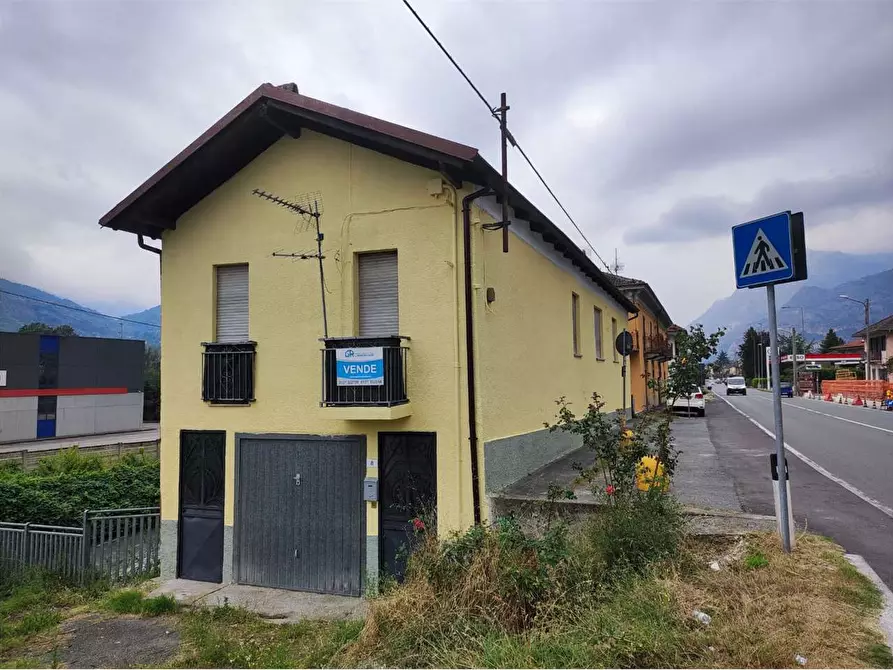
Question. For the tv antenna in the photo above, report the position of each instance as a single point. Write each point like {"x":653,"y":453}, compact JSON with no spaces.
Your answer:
{"x":310,"y":208}
{"x":616,"y":266}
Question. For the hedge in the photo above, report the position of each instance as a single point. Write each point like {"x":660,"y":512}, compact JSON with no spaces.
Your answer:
{"x":60,"y":498}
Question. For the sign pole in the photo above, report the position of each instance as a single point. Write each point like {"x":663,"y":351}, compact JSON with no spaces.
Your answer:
{"x":783,"y":502}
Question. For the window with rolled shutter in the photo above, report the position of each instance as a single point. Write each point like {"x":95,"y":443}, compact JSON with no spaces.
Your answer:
{"x":232,"y":303}
{"x":377,"y":283}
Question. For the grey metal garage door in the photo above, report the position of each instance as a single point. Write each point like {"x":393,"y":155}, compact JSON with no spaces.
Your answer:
{"x":300,"y":515}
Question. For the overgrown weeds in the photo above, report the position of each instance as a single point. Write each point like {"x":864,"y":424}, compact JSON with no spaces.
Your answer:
{"x":228,"y":637}
{"x":132,"y":601}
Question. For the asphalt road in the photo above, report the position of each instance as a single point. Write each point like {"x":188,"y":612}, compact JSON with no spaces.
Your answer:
{"x":148,"y":433}
{"x":845,"y":494}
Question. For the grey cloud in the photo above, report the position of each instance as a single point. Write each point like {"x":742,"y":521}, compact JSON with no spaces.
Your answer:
{"x":95,"y":96}
{"x":821,"y":200}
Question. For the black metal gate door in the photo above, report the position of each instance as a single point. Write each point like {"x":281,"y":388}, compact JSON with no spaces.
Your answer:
{"x":300,"y":515}
{"x":200,"y":545}
{"x":408,"y":489}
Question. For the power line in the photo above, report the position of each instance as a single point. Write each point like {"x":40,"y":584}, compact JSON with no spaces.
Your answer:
{"x":80,"y":309}
{"x":512,"y":139}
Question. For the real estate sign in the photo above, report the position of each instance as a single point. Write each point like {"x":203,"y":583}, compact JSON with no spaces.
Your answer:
{"x":360,"y":366}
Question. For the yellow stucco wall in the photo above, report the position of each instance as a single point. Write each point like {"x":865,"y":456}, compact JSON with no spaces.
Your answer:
{"x":373,"y":202}
{"x":642,"y":369}
{"x":525,"y":339}
{"x":360,"y":191}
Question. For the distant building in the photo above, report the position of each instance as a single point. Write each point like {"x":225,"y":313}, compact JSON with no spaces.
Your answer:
{"x":880,"y":346}
{"x":652,"y":342}
{"x":52,"y":386}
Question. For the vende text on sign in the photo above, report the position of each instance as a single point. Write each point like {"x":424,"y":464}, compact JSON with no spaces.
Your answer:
{"x":360,"y":366}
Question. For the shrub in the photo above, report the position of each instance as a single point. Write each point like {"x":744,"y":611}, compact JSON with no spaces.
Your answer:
{"x":68,"y":461}
{"x":492,"y":573}
{"x":634,"y":532}
{"x":59,"y":492}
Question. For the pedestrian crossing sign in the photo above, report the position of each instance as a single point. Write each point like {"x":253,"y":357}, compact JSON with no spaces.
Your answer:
{"x":765,"y":251}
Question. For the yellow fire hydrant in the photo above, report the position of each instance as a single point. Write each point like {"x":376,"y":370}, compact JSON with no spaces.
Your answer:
{"x":650,"y":473}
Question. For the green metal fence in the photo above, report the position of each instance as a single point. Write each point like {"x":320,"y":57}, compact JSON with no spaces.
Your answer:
{"x":116,"y":544}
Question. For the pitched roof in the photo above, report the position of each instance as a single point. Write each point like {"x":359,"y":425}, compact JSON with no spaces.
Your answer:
{"x":884,"y":325}
{"x":633,"y":288}
{"x":270,"y":112}
{"x":852,"y":344}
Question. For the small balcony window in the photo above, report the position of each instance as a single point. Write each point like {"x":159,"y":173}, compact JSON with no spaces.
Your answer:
{"x":228,"y":372}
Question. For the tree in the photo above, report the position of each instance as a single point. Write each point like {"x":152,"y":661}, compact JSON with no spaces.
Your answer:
{"x":44,"y":329}
{"x":750,"y":353}
{"x":152,"y":384}
{"x":831,"y":339}
{"x":721,"y":364}
{"x":784,"y":344}
{"x":686,"y":371}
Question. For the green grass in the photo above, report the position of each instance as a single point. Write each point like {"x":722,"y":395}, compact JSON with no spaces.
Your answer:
{"x":878,"y":656}
{"x":755,"y":560}
{"x":229,"y":637}
{"x":132,"y":601}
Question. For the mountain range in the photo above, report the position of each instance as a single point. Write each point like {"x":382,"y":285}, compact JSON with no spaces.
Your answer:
{"x":831,"y":274}
{"x":21,"y":304}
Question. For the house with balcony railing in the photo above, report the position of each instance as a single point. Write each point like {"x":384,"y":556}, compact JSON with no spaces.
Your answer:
{"x":652,"y":330}
{"x":352,"y":336}
{"x":879,"y":347}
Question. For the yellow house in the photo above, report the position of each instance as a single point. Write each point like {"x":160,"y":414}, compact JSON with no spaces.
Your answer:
{"x":346,"y":345}
{"x":652,"y":343}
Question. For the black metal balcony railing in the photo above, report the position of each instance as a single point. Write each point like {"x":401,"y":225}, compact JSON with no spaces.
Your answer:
{"x":392,"y":389}
{"x":658,"y":346}
{"x":876,"y":356}
{"x":228,"y":372}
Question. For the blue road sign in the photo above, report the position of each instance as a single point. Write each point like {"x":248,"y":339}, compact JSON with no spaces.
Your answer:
{"x":764,"y":251}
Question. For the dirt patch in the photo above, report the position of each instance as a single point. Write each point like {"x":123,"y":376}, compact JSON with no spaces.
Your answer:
{"x":122,"y":642}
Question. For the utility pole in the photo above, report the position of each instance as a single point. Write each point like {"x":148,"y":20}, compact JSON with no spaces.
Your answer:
{"x":503,"y":108}
{"x":802,"y":330}
{"x":867,"y":305}
{"x":794,"y":354}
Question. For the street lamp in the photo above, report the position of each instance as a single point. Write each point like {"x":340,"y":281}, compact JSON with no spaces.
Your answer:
{"x":867,"y":305}
{"x":794,"y":349}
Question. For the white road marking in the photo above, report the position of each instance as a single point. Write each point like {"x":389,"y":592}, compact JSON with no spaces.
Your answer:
{"x":815,"y":466}
{"x":887,"y":613}
{"x":834,"y":416}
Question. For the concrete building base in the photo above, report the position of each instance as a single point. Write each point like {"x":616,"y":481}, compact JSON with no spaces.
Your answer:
{"x":277,"y":605}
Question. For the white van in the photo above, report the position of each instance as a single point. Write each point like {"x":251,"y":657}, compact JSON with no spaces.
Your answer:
{"x":736,"y":385}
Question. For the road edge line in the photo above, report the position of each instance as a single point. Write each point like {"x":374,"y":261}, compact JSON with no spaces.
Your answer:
{"x":881,"y":507}
{"x":839,"y":418}
{"x":886,"y":618}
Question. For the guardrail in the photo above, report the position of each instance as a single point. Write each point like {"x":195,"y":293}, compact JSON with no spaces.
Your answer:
{"x":115,"y":544}
{"x":108,"y":452}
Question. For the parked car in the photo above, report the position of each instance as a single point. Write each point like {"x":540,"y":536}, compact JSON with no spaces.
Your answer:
{"x":736,"y":385}
{"x":693,"y":402}
{"x":786,"y":389}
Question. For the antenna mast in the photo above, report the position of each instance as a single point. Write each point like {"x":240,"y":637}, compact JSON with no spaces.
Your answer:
{"x":311,"y":211}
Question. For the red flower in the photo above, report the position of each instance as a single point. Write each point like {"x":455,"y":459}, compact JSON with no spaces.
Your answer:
{"x":609,"y":490}
{"x":418,"y":525}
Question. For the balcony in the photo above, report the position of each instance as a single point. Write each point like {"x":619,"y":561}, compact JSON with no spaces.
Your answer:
{"x":658,"y":347}
{"x":228,"y":372}
{"x":876,"y":356}
{"x":364,"y":378}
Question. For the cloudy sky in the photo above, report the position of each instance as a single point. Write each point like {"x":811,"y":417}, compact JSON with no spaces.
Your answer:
{"x":660,"y":124}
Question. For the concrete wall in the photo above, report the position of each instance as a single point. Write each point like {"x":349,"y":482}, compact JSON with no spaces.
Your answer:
{"x":19,"y":356}
{"x":91,"y":362}
{"x":18,"y":419}
{"x":87,"y":414}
